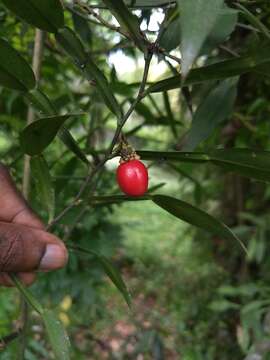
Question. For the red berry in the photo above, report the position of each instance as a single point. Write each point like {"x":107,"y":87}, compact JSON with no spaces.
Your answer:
{"x":132,"y":178}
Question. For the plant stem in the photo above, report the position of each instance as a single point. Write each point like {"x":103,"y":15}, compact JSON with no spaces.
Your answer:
{"x":109,"y":153}
{"x":36,"y":63}
{"x":5,"y":340}
{"x":175,"y":58}
{"x":26,"y":294}
{"x":169,"y":3}
{"x":89,"y":10}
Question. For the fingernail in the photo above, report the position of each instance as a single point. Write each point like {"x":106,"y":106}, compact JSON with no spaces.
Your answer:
{"x":54,"y":258}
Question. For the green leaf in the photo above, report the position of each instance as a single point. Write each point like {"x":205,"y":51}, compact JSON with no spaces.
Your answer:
{"x":182,"y":156}
{"x":71,"y":144}
{"x":223,"y":27}
{"x":254,"y":164}
{"x":74,"y":48}
{"x":255,"y":306}
{"x":180,"y":209}
{"x":109,"y":269}
{"x":196,"y":217}
{"x":42,"y":103}
{"x":38,"y":100}
{"x":170,"y":39}
{"x":254,"y":20}
{"x":214,"y":109}
{"x":246,"y":290}
{"x":223,"y":305}
{"x":225,"y":24}
{"x":122,"y":88}
{"x":15,"y":73}
{"x":127,"y":21}
{"x":39,"y":134}
{"x":169,"y":111}
{"x":68,"y":170}
{"x":185,"y":171}
{"x":170,"y":30}
{"x":115,"y":277}
{"x":28,"y":296}
{"x":197,"y":18}
{"x":47,"y":15}
{"x":146,"y":3}
{"x":114,"y":199}
{"x":82,"y":28}
{"x":57,"y":335}
{"x":144,"y":111}
{"x":156,"y":187}
{"x":218,"y":71}
{"x":43,"y":183}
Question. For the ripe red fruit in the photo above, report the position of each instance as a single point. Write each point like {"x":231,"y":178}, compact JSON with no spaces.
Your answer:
{"x":132,"y":178}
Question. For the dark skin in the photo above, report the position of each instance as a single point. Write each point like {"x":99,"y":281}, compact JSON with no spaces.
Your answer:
{"x":25,"y":247}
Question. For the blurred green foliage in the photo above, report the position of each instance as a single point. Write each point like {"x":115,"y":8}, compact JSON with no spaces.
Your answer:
{"x":195,"y":296}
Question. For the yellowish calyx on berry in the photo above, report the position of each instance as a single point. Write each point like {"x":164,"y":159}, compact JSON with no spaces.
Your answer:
{"x":127,"y":152}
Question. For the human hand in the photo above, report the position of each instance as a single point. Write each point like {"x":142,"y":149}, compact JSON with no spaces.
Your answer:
{"x":25,"y":246}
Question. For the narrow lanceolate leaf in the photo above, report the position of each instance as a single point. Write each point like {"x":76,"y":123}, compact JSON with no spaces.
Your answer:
{"x":93,"y":74}
{"x":254,"y":164}
{"x":254,"y":20}
{"x":72,"y":45}
{"x":169,"y":111}
{"x":156,"y":187}
{"x":115,"y":277}
{"x":145,"y":4}
{"x":218,"y":71}
{"x":15,"y":73}
{"x":39,"y":101}
{"x":43,"y":183}
{"x":224,"y":26}
{"x":181,"y":210}
{"x":116,"y":199}
{"x":196,"y":217}
{"x":57,"y":335}
{"x":38,"y":135}
{"x":47,"y":15}
{"x":27,"y":295}
{"x":195,"y":157}
{"x":169,"y":32}
{"x":71,"y":144}
{"x":43,"y":104}
{"x":197,"y":18}
{"x":170,"y":38}
{"x":127,"y":21}
{"x":111,"y":271}
{"x":214,"y":109}
{"x":82,"y":27}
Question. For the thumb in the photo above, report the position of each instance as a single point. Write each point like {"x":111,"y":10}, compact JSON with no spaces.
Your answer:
{"x":25,"y":249}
